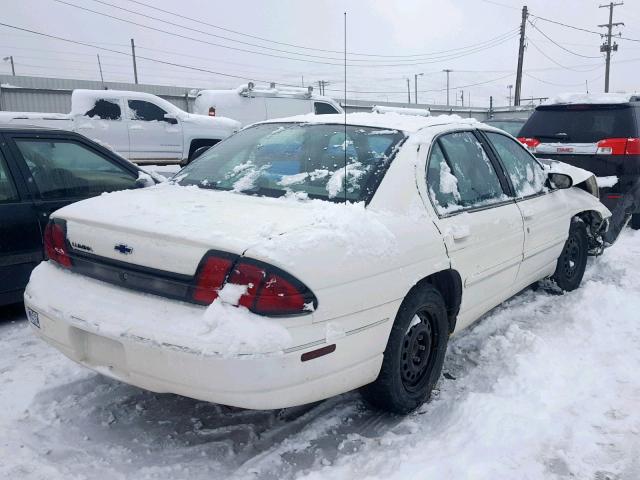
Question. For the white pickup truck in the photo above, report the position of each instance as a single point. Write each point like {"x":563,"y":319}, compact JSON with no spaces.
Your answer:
{"x":139,"y":126}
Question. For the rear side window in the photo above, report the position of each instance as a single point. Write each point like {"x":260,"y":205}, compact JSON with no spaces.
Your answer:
{"x":65,"y":169}
{"x":8,"y":191}
{"x":580,"y":123}
{"x":146,"y":111}
{"x":526,"y":174}
{"x":322,"y":108}
{"x":460,"y":174}
{"x":105,"y":110}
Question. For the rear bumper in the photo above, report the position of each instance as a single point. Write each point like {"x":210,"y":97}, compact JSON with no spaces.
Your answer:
{"x":161,"y":362}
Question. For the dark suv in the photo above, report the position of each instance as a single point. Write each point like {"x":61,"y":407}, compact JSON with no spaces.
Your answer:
{"x":600,"y":133}
{"x":42,"y":170}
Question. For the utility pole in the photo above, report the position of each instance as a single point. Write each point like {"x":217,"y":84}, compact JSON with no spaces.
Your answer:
{"x":462,"y":97}
{"x":491,"y":106}
{"x":523,"y":27}
{"x":133,"y":54}
{"x":510,"y":87}
{"x":408,"y":90}
{"x":13,"y":68}
{"x":100,"y":68}
{"x":607,"y":47}
{"x":447,"y":71}
{"x":415,"y":86}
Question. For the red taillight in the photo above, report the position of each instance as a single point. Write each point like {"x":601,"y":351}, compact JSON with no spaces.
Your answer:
{"x":212,"y":111}
{"x":211,"y":278}
{"x":529,"y":142}
{"x":270,"y":291}
{"x":619,"y":146}
{"x":55,"y":244}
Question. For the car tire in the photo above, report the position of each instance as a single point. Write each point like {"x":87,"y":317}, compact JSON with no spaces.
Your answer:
{"x":572,"y":262}
{"x":414,"y":354}
{"x":635,"y":221}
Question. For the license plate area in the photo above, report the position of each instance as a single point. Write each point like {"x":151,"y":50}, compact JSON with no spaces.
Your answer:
{"x":99,"y":351}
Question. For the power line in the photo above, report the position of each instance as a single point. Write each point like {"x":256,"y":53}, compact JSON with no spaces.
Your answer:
{"x":558,"y":45}
{"x":565,"y":67}
{"x":428,"y":54}
{"x":477,"y":49}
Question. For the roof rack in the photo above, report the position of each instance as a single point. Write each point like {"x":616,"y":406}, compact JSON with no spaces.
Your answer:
{"x":250,"y":90}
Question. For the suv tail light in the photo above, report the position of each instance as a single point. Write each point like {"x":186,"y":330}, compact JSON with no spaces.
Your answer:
{"x":270,"y":290}
{"x":619,"y":146}
{"x":529,"y":142}
{"x":55,"y":244}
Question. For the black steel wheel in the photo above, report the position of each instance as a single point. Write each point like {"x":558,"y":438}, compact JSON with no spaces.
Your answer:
{"x":414,"y":355}
{"x":573,"y":259}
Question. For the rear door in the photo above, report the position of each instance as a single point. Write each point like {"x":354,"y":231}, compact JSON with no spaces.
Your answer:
{"x":104,"y":122}
{"x":153,"y":138}
{"x":480,"y":222}
{"x":544,"y":211}
{"x":60,"y":170}
{"x":20,"y":236}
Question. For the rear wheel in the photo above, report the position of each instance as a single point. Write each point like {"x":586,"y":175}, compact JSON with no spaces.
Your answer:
{"x":573,"y":259}
{"x":414,"y":355}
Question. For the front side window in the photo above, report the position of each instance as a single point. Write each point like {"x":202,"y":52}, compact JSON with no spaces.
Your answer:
{"x":309,"y":159}
{"x":460,"y":175}
{"x":65,"y":169}
{"x":526,"y":174}
{"x":322,"y":108}
{"x":146,"y":111}
{"x":105,"y":109}
{"x":8,"y":191}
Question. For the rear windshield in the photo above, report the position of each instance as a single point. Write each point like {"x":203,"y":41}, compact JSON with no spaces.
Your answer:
{"x":580,"y":123}
{"x":275,"y":159}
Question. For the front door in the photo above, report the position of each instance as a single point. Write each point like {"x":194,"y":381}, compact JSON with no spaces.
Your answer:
{"x":153,"y":137}
{"x":480,"y":222}
{"x":544,"y":211}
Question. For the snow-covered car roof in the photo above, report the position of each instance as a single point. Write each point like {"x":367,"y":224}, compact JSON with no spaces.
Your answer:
{"x":591,"y":98}
{"x":392,"y":121}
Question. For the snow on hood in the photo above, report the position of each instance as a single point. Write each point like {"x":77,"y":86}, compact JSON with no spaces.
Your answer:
{"x":589,"y":98}
{"x":578,"y":175}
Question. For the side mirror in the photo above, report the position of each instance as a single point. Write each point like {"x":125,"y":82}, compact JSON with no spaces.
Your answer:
{"x":560,"y":180}
{"x":171,"y":118}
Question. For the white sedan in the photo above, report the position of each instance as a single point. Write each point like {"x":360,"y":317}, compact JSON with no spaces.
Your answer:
{"x":303,"y":258}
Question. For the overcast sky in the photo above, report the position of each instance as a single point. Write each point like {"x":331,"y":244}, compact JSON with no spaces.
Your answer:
{"x":390,"y":40}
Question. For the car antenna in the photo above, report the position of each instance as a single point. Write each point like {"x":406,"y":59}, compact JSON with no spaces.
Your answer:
{"x":344,"y":107}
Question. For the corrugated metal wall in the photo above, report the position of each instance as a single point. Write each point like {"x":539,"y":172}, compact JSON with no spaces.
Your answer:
{"x":53,"y":95}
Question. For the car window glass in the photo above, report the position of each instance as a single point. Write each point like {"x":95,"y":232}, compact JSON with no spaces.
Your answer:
{"x":322,"y":108}
{"x":476,"y":182}
{"x":105,"y":109}
{"x":526,"y":174}
{"x":443,"y":185}
{"x":62,"y":169}
{"x":146,"y":111}
{"x":8,"y":191}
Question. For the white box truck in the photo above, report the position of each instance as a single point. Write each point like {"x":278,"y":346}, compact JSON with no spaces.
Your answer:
{"x":249,"y":104}
{"x":141,"y":127}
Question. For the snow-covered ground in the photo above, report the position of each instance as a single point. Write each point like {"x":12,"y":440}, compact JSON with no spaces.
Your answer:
{"x":544,"y":387}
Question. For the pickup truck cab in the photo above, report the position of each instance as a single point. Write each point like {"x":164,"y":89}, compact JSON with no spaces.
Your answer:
{"x":141,"y":127}
{"x":42,"y":170}
{"x":248,"y":104}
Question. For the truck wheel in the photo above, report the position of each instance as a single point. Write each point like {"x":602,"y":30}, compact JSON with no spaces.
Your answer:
{"x":414,"y":355}
{"x":573,"y":259}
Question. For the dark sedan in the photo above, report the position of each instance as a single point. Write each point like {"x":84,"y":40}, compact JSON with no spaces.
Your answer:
{"x":42,"y":170}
